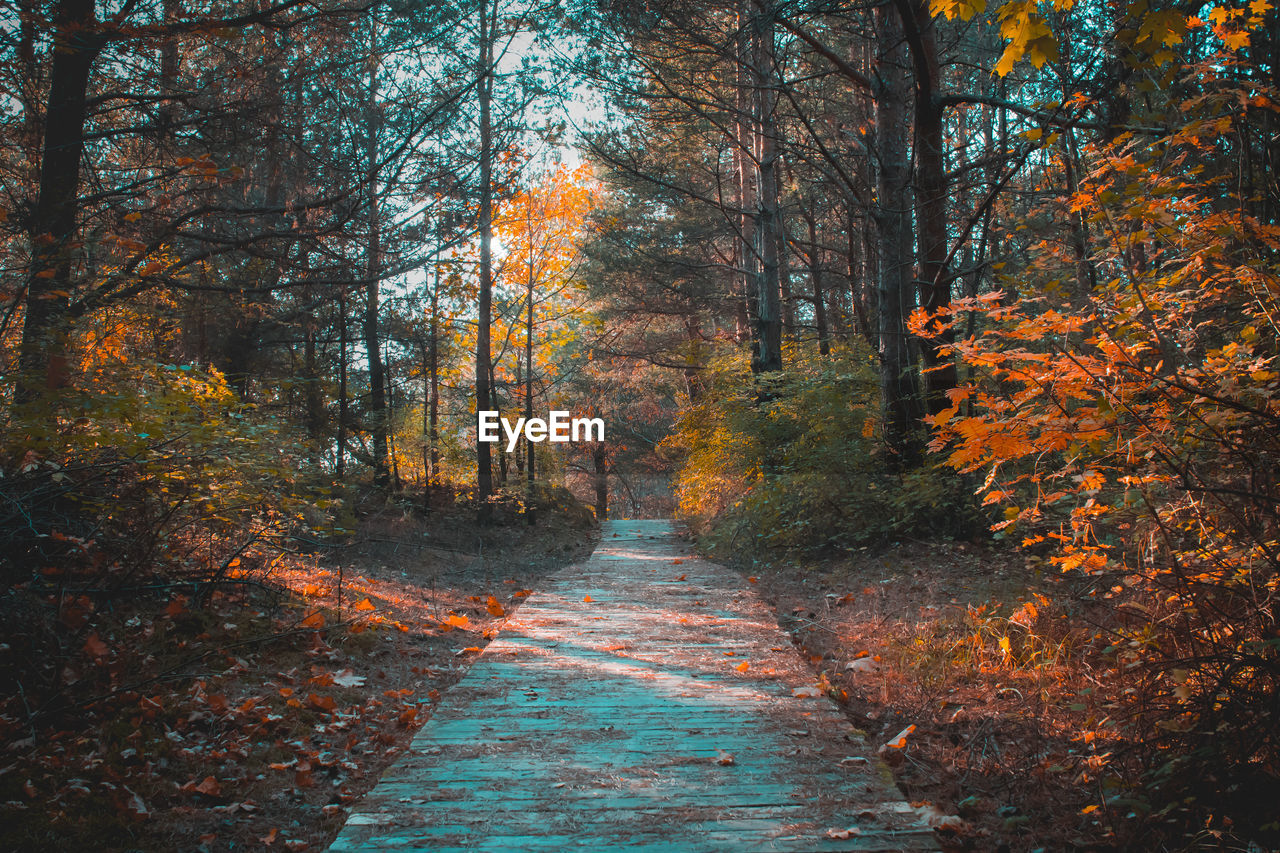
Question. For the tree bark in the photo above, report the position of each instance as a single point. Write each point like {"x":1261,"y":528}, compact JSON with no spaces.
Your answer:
{"x":815,"y":279}
{"x":744,"y":170}
{"x":340,"y":459}
{"x":433,"y":391}
{"x":600,"y":477}
{"x":898,"y":388}
{"x":43,"y":351}
{"x":484,"y":470}
{"x":768,"y":355}
{"x":529,"y":513}
{"x":373,"y":285}
{"x":938,"y":372}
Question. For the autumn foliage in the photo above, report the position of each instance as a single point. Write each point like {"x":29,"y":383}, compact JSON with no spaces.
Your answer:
{"x":1123,"y":415}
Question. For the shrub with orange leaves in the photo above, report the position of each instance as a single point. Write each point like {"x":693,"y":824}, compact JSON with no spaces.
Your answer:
{"x":1125,"y":413}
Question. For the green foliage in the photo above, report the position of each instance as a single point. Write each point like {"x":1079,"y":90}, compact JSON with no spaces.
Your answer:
{"x":143,"y":467}
{"x":796,"y":461}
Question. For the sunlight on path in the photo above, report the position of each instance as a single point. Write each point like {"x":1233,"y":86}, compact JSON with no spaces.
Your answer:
{"x":615,"y":711}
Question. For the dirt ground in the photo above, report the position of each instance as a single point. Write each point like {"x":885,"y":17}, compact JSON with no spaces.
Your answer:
{"x":952,"y":658}
{"x":252,"y":720}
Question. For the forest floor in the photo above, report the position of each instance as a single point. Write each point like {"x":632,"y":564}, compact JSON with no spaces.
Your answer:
{"x":963,"y":643}
{"x":251,"y":722}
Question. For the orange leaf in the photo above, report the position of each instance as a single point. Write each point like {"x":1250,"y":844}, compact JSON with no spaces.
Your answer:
{"x":742,"y":667}
{"x":366,"y":604}
{"x":322,"y":703}
{"x":315,"y":619}
{"x":457,"y":620}
{"x":587,"y":598}
{"x":495,"y":607}
{"x":95,"y":646}
{"x":680,"y":578}
{"x":407,"y":717}
{"x":209,"y":786}
{"x":752,"y":580}
{"x":176,"y":607}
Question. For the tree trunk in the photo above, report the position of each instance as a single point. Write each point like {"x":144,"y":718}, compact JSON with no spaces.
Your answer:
{"x":42,"y":354}
{"x":373,"y":283}
{"x":600,"y":458}
{"x":938,"y":372}
{"x":898,"y":388}
{"x":530,"y":513}
{"x":815,"y":279}
{"x":340,"y":459}
{"x":484,"y":470}
{"x":314,"y":399}
{"x":744,"y":171}
{"x":433,"y":391}
{"x":768,"y":355}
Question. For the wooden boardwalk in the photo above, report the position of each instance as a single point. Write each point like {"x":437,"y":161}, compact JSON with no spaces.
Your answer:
{"x":645,"y":700}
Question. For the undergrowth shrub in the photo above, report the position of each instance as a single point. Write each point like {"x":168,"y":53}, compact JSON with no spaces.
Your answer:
{"x":796,"y":461}
{"x":1129,"y":431}
{"x":142,"y":482}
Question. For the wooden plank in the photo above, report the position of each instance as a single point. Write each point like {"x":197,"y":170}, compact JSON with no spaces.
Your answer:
{"x":608,"y":715}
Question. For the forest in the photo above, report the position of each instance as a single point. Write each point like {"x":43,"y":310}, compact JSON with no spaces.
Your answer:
{"x":953,"y":324}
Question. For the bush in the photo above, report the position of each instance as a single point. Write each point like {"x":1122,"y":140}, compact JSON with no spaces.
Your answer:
{"x":796,"y":461}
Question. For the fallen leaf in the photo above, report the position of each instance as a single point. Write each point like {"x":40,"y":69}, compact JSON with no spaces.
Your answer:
{"x":135,"y":805}
{"x":900,"y":740}
{"x":806,"y":693}
{"x":724,"y":759}
{"x":209,"y":786}
{"x":322,"y":703}
{"x":742,"y":667}
{"x":495,"y":607}
{"x":347,"y":678}
{"x":587,"y":598}
{"x":95,"y":646}
{"x":314,"y":619}
{"x":457,"y":620}
{"x":270,"y":837}
{"x":365,"y":605}
{"x":850,"y":832}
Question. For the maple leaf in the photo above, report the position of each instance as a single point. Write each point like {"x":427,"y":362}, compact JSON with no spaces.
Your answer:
{"x":347,"y":678}
{"x":365,"y":605}
{"x":495,"y":607}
